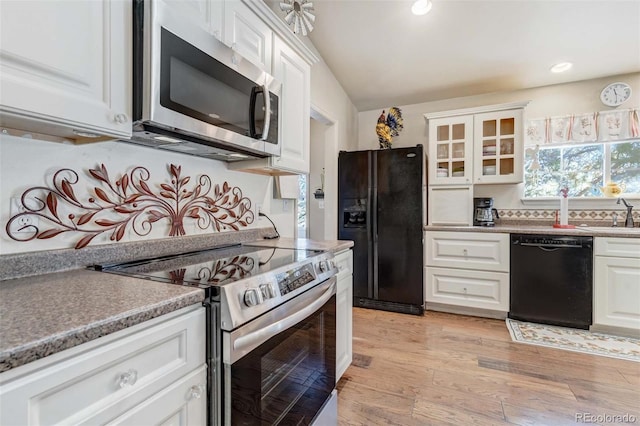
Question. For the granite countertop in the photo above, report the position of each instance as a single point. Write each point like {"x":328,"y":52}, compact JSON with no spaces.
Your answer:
{"x":301,"y":243}
{"x":45,"y":314}
{"x":595,"y":231}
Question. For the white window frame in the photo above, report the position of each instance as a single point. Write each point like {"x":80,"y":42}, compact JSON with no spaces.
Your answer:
{"x":583,"y":202}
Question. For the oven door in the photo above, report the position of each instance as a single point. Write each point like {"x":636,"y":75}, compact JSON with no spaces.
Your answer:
{"x":280,"y":368}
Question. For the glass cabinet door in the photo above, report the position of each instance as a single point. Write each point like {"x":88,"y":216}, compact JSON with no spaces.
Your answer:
{"x":498,"y":147}
{"x":450,"y":150}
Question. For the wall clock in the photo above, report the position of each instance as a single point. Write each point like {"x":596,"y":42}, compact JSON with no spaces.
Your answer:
{"x":615,"y":94}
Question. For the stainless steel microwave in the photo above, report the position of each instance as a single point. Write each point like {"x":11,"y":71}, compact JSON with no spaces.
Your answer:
{"x":193,"y":94}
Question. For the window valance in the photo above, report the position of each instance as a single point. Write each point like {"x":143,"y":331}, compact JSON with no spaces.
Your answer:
{"x":603,"y":126}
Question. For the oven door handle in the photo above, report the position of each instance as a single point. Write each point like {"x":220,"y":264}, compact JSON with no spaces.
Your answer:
{"x":246,"y":343}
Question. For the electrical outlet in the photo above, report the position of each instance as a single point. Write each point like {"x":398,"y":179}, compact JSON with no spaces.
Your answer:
{"x":285,"y":204}
{"x":23,"y":221}
{"x":258,"y":210}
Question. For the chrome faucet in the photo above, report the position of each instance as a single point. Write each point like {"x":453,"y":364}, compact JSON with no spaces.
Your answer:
{"x":628,"y":223}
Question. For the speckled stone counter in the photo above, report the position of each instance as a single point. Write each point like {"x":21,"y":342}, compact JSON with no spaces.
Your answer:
{"x":301,"y":243}
{"x":45,"y":314}
{"x":544,"y":230}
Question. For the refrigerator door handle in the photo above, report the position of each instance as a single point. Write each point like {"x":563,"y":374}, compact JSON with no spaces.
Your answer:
{"x":374,"y":223}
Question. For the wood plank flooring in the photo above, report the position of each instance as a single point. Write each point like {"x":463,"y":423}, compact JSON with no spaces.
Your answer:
{"x":443,"y":369}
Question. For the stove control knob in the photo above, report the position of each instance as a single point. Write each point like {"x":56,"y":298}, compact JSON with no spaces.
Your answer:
{"x":267,"y":291}
{"x":252,"y":297}
{"x":322,"y":266}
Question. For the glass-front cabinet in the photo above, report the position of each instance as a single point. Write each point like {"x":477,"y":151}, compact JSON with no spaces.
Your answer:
{"x":480,"y":145}
{"x":498,"y":147}
{"x":450,"y":150}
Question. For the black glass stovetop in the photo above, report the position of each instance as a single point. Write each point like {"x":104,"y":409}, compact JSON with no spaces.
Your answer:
{"x":212,"y":267}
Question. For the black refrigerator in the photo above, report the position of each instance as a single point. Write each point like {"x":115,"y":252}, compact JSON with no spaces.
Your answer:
{"x":381,"y":208}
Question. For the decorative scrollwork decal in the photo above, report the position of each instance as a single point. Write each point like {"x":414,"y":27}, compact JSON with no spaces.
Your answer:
{"x":128,"y":203}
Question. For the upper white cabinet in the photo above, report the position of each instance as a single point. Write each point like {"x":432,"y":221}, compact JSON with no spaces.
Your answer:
{"x":294,"y":73}
{"x":247,"y":34}
{"x":498,"y":147}
{"x":207,"y":14}
{"x":451,"y":145}
{"x":476,"y":145}
{"x":65,"y":67}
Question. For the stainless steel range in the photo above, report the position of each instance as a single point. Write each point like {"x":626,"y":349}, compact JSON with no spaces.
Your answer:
{"x":271,"y":329}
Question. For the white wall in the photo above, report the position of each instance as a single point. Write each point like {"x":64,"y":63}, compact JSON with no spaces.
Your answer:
{"x":316,"y":214}
{"x":26,"y":163}
{"x":548,"y":101}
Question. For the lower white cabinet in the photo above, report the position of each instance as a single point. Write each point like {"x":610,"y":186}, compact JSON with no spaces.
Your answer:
{"x":344,"y":310}
{"x":467,"y":269}
{"x":617,"y":283}
{"x":126,"y":377}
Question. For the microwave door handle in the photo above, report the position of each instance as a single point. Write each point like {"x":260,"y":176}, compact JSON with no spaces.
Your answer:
{"x":267,"y":113}
{"x":252,"y":111}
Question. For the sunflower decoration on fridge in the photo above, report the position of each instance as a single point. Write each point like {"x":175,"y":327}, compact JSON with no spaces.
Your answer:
{"x":389,"y":126}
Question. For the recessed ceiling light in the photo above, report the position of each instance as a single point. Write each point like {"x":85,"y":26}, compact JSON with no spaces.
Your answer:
{"x":421,"y":7}
{"x":561,"y":67}
{"x":167,"y":139}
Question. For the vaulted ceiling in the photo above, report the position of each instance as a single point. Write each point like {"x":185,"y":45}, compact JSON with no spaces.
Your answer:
{"x":383,"y":55}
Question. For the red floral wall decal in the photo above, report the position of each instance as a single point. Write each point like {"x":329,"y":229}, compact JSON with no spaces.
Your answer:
{"x":129,"y":203}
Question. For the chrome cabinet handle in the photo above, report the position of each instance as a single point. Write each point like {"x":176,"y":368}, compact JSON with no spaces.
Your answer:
{"x":128,"y":379}
{"x":195,"y":392}
{"x":120,"y":118}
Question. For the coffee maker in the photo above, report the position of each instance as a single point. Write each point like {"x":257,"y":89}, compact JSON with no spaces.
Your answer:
{"x":483,"y":212}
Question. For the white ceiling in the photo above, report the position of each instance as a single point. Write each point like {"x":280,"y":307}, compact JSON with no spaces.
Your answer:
{"x":383,"y":55}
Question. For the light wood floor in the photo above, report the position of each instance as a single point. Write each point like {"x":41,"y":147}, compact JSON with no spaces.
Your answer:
{"x":452,"y":369}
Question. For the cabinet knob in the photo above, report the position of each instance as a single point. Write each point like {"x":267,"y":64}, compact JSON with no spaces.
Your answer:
{"x":120,"y":118}
{"x":128,"y":378}
{"x":465,"y":252}
{"x":195,"y":392}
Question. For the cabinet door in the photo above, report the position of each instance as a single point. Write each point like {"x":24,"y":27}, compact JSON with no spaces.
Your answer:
{"x":617,"y":292}
{"x":450,"y":205}
{"x":181,"y":404}
{"x":450,"y":150}
{"x":207,"y":14}
{"x":498,"y":149}
{"x":66,"y":67}
{"x":247,"y":34}
{"x":344,"y":331}
{"x":295,"y":113}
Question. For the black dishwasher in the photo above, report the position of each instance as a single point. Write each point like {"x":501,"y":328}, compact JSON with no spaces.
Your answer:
{"x":551,"y":279}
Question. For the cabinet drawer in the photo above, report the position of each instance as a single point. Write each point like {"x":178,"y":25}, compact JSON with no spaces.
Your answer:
{"x":483,"y":251}
{"x":344,"y":260}
{"x":89,"y":385}
{"x":181,"y":404}
{"x":618,"y":247}
{"x":474,"y":289}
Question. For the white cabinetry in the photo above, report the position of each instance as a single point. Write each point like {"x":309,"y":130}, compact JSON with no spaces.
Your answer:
{"x":617,"y":284}
{"x":498,"y":147}
{"x":247,"y":34}
{"x":469,"y":270}
{"x":65,"y":67}
{"x":344,"y":312}
{"x":150,"y":373}
{"x":207,"y":14}
{"x":450,"y":205}
{"x":476,"y":145}
{"x":451,"y":145}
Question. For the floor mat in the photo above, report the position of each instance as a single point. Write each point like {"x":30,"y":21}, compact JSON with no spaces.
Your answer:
{"x":574,"y":340}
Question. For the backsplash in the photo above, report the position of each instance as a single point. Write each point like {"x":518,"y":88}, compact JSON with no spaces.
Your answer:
{"x":130,"y":202}
{"x":576,"y":217}
{"x":113,"y":192}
